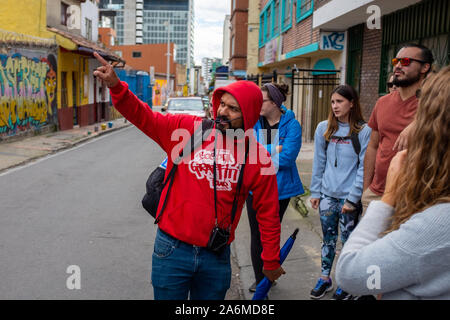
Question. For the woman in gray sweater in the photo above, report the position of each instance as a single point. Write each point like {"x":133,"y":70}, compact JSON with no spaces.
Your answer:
{"x":401,"y":247}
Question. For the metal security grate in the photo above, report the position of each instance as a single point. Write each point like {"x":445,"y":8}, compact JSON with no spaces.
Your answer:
{"x":427,"y":23}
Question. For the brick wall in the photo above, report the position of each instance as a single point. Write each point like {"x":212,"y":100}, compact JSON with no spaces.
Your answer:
{"x":151,"y":55}
{"x":262,"y":3}
{"x":239,"y":35}
{"x":299,"y":35}
{"x":320,"y":3}
{"x":370,"y":70}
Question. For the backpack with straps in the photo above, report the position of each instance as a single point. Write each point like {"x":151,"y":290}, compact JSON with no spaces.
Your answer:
{"x":354,"y":138}
{"x":155,"y":182}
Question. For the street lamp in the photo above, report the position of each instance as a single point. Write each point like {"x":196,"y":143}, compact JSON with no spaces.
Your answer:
{"x":167,"y":24}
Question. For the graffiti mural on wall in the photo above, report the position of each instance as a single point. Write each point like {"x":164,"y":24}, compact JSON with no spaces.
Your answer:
{"x":27,"y":92}
{"x":159,"y":92}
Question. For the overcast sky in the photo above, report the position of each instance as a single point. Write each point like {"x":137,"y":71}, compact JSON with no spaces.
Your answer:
{"x":208,"y":32}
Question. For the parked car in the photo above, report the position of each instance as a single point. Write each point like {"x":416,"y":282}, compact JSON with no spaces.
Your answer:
{"x":186,"y":105}
{"x":208,"y":107}
{"x":205,"y":100}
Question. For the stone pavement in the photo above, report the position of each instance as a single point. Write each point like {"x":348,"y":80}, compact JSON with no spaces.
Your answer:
{"x":22,"y":151}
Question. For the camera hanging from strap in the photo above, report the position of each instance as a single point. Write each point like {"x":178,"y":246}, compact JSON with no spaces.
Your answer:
{"x":219,"y":236}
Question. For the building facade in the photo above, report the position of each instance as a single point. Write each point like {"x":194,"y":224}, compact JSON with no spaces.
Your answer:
{"x":226,"y":40}
{"x":209,"y":66}
{"x":253,"y":37}
{"x":238,"y":38}
{"x":143,"y":22}
{"x":46,"y":68}
{"x":313,"y":45}
{"x":290,"y":51}
{"x":152,"y":59}
{"x":372,"y":42}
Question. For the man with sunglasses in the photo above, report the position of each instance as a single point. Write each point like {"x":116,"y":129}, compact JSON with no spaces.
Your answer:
{"x":392,"y":117}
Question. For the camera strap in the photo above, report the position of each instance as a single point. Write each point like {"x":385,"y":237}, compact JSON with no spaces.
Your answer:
{"x":239,"y":183}
{"x":196,"y":140}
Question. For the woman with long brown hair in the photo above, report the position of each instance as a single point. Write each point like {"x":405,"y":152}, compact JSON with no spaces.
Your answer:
{"x":401,"y":247}
{"x":336,"y":186}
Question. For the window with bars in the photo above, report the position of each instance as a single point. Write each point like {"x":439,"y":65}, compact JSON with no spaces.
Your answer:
{"x":426,"y":23}
{"x":64,"y":15}
{"x":354,"y":55}
{"x":286,"y":17}
{"x":261,"y":29}
{"x":304,"y":9}
{"x":88,"y":26}
{"x":268,"y":23}
{"x":276,"y":18}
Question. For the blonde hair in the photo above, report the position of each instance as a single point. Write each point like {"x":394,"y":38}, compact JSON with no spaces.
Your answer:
{"x":423,"y":181}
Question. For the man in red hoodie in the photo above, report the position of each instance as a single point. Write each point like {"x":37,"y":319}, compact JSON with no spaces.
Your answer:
{"x":201,"y":198}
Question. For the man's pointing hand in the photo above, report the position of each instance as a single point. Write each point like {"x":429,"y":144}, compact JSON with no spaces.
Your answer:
{"x":106,"y":72}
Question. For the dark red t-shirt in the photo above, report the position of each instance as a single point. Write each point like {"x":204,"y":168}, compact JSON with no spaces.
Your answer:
{"x":389,"y":117}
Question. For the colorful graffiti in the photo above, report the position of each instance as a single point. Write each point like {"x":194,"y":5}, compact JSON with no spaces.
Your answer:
{"x":159,"y":92}
{"x":27,"y":92}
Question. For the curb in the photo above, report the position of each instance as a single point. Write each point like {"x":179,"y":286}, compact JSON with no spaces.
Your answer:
{"x":65,"y":147}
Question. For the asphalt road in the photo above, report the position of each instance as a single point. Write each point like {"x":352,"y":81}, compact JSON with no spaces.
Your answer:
{"x":74,"y":219}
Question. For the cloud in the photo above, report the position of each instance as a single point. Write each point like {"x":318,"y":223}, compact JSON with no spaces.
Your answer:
{"x":208,"y":28}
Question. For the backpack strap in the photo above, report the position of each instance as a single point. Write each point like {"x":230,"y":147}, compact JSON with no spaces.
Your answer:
{"x":355,"y":140}
{"x":195,"y":141}
{"x":354,"y":137}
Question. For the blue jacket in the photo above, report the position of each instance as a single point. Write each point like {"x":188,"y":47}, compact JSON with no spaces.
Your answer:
{"x":289,"y":135}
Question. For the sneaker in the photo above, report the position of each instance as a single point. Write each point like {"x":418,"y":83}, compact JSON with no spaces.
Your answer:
{"x":252,"y":288}
{"x":321,"y":288}
{"x":340,"y":294}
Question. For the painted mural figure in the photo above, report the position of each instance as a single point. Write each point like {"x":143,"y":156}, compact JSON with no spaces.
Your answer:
{"x":51,"y":84}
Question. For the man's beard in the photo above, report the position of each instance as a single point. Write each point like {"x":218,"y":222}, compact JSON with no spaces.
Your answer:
{"x":409,"y":81}
{"x":223,"y":127}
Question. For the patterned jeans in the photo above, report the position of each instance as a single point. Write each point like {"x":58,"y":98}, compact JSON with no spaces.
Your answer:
{"x":330,"y":218}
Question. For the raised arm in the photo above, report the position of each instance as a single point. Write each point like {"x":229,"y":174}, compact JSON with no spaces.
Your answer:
{"x":155,"y":125}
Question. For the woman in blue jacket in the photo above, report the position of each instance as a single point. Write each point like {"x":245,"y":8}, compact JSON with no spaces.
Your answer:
{"x":281,"y":134}
{"x":340,"y":144}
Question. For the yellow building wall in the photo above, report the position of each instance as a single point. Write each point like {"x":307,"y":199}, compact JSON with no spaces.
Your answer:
{"x":25,"y":16}
{"x":84,"y":80}
{"x":68,"y":63}
{"x":253,"y":38}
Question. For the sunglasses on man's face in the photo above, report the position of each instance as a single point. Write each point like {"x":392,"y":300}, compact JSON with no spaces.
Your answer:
{"x":390,"y":84}
{"x":405,"y":61}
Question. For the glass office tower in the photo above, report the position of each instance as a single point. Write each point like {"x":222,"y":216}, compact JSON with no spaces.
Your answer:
{"x":143,"y":21}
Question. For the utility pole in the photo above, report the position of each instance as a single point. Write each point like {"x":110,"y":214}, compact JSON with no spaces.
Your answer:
{"x":167,"y":24}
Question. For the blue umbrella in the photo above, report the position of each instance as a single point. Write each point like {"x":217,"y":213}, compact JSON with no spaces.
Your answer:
{"x":264,"y":286}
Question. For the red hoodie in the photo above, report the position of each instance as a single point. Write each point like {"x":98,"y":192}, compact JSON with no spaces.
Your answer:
{"x":189,"y":214}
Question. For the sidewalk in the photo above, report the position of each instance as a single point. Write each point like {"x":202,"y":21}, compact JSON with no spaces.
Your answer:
{"x":20,"y":152}
{"x":302,"y":265}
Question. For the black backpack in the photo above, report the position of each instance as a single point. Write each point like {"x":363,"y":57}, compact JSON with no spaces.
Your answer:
{"x":155,"y":182}
{"x":353,"y":138}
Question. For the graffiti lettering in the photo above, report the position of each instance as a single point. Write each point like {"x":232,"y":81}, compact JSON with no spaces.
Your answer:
{"x":25,"y":98}
{"x":332,"y":40}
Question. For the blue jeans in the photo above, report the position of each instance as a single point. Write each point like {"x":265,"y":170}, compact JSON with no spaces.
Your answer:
{"x":330,"y":218}
{"x":180,"y":270}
